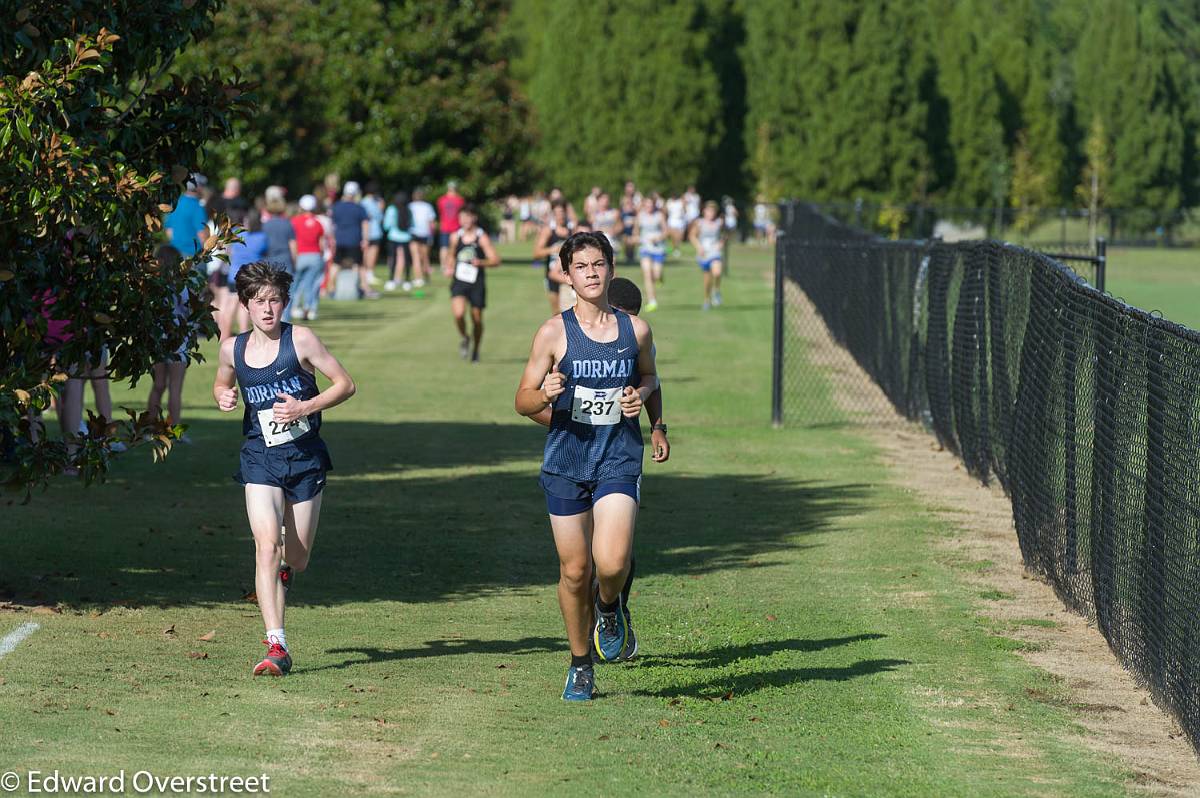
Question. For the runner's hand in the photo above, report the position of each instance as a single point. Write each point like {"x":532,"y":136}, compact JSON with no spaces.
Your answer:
{"x":286,"y":409}
{"x":228,"y":399}
{"x":660,"y":446}
{"x":631,"y":402}
{"x":554,"y":385}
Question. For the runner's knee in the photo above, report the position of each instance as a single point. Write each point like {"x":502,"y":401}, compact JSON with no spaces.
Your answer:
{"x":575,"y":575}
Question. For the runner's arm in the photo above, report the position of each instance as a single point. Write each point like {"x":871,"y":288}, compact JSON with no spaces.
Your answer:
{"x":646,"y":365}
{"x":491,"y":259}
{"x":540,"y":248}
{"x":312,"y":352}
{"x":532,"y":398}
{"x":224,"y":386}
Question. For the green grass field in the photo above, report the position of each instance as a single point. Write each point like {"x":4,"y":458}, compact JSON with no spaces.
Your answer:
{"x":801,"y":629}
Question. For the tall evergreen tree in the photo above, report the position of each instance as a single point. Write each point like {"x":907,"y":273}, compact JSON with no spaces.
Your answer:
{"x":835,"y":100}
{"x":426,"y":97}
{"x":968,"y":80}
{"x":1126,"y":55}
{"x":624,"y":90}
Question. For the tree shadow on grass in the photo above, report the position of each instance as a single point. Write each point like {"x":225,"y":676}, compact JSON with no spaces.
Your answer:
{"x":726,"y":688}
{"x":726,"y":655}
{"x":451,"y":647}
{"x":413,"y":512}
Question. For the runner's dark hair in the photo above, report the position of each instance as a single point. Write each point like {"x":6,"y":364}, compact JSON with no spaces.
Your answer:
{"x":254,"y":277}
{"x":578,"y":241}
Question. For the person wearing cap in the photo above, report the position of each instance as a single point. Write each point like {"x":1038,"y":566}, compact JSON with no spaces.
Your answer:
{"x":187,"y":224}
{"x":448,"y":206}
{"x":312,"y":239}
{"x":351,"y":228}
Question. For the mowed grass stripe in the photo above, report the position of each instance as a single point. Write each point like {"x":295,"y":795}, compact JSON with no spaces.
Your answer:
{"x":801,"y":630}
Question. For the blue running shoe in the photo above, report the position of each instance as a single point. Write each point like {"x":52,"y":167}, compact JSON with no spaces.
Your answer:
{"x":581,"y":684}
{"x":609,"y":635}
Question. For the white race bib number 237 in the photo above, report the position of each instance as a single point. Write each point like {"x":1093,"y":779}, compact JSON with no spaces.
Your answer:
{"x":597,"y":407}
{"x":275,"y":432}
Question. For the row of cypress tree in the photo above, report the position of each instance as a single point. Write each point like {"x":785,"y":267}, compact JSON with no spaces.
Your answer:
{"x":966,"y":102}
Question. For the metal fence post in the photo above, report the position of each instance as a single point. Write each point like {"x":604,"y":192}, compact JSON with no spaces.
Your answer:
{"x":1101,"y":262}
{"x":777,"y":349}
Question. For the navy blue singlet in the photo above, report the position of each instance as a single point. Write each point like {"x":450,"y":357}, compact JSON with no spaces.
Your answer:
{"x":259,"y":386}
{"x":583,"y":452}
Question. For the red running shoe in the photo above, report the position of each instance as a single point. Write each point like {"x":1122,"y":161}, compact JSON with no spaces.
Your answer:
{"x":277,"y":662}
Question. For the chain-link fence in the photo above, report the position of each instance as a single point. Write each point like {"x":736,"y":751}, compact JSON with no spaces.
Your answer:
{"x":1086,"y":410}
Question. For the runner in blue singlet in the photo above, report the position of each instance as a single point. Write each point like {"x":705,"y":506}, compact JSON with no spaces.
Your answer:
{"x":283,"y":459}
{"x":594,"y":366}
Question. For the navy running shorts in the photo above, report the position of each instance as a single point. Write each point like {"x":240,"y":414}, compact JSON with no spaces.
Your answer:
{"x":568,"y":497}
{"x":299,"y":472}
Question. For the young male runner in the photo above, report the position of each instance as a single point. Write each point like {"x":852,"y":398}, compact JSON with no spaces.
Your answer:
{"x":283,"y":459}
{"x":625,"y":296}
{"x":708,"y":237}
{"x":594,"y":367}
{"x":470,"y":281}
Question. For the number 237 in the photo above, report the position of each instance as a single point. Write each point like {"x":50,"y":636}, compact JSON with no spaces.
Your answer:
{"x":596,"y":408}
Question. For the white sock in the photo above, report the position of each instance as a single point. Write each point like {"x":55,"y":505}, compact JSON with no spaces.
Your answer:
{"x":277,"y":636}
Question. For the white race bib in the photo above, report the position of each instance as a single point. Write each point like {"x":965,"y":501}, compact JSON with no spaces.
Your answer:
{"x":275,"y":433}
{"x":597,"y":407}
{"x":466,"y":272}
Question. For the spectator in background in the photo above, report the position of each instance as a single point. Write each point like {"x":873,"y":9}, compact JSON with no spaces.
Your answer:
{"x":253,"y":247}
{"x":448,"y":206}
{"x":281,"y":239}
{"x":351,"y":227}
{"x":168,"y":375}
{"x":422,"y":217}
{"x":395,"y":225}
{"x":731,"y":216}
{"x":187,"y":224}
{"x":231,"y":203}
{"x":312,"y":241}
{"x":373,"y":205}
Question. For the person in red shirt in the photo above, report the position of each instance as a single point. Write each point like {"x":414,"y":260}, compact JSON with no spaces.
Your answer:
{"x":448,"y":205}
{"x":312,"y":240}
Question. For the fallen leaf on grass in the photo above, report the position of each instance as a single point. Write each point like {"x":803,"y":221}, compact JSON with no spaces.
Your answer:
{"x":664,"y":723}
{"x":727,"y":696}
{"x":602,"y":737}
{"x":170,"y":630}
{"x":719,"y":745}
{"x":110,"y":712}
{"x":197,"y":655}
{"x":250,"y":595}
{"x":674,"y":702}
{"x":500,"y":666}
{"x":755,"y":719}
{"x":207,"y":638}
{"x":772,"y":618}
{"x":103,"y":635}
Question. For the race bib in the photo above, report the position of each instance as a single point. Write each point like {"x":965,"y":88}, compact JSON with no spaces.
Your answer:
{"x":598,"y":407}
{"x":275,"y":432}
{"x":465,"y":272}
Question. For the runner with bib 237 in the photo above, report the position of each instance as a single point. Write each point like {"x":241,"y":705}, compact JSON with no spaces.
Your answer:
{"x":594,"y":367}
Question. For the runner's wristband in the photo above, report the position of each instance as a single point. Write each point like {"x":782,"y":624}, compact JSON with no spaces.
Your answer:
{"x":659,"y":427}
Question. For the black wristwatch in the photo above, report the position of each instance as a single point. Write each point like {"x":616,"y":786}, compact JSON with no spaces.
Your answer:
{"x":659,"y":427}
